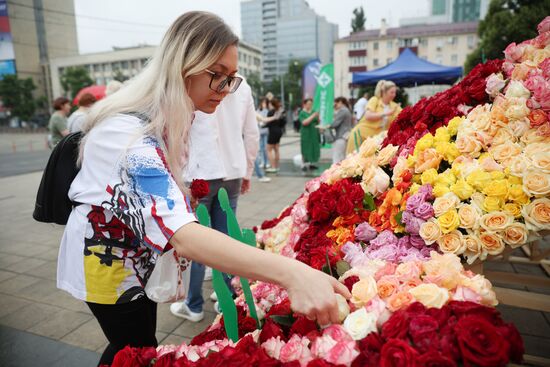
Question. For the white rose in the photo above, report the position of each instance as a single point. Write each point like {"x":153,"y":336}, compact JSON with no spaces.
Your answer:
{"x":360,"y":323}
{"x":516,"y":89}
{"x":430,"y":295}
{"x":386,"y":155}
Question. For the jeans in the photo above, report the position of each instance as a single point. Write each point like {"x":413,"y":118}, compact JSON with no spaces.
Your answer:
{"x":262,"y":153}
{"x":219,"y":222}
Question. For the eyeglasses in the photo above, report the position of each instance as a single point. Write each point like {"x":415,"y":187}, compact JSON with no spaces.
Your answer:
{"x":219,"y":81}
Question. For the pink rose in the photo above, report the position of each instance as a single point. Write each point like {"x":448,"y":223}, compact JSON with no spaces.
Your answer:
{"x":542,"y":40}
{"x":544,"y":26}
{"x":540,"y":87}
{"x":514,"y":52}
{"x":508,"y":68}
{"x":387,"y":269}
{"x":343,"y":351}
{"x":466,"y":294}
{"x":273,"y":347}
{"x":495,"y":83}
{"x":296,"y":349}
{"x":545,"y":67}
{"x":166,"y":349}
{"x":337,"y":332}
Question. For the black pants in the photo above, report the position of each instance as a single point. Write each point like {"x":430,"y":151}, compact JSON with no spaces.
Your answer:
{"x":133,"y":323}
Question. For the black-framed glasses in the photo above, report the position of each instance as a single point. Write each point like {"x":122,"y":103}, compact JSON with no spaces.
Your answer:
{"x":219,"y":81}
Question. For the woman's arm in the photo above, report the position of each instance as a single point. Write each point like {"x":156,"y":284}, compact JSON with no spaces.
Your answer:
{"x":311,"y":292}
{"x":308,"y":120}
{"x":339,"y":118}
{"x":376,"y":116}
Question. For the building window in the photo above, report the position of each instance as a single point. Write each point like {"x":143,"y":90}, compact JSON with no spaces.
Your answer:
{"x":389,"y":45}
{"x":439,"y":44}
{"x":358,"y":61}
{"x":124,"y":65}
{"x":134,"y":64}
{"x":107,"y":67}
{"x":470,"y":41}
{"x":97,"y":67}
{"x":454,"y":59}
{"x":453,"y":40}
{"x":375,"y":46}
{"x":375,"y":62}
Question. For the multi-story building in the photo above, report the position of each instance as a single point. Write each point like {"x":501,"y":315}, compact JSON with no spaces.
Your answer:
{"x":127,"y":62}
{"x":286,"y":30}
{"x":446,"y":44}
{"x":40,"y":30}
{"x":447,"y":11}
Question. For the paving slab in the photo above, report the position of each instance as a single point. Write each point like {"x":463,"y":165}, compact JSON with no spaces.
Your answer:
{"x":88,"y":336}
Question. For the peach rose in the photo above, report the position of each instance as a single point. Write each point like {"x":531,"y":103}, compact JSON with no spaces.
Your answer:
{"x":430,"y":231}
{"x":443,"y":270}
{"x":445,"y":203}
{"x":468,"y":145}
{"x":491,"y":243}
{"x":399,"y":300}
{"x":536,"y":183}
{"x":537,"y":214}
{"x":427,"y":159}
{"x":482,"y":122}
{"x":386,"y":155}
{"x":515,"y":234}
{"x":517,"y":109}
{"x":473,"y":247}
{"x":504,"y":153}
{"x":518,"y":165}
{"x":343,"y":307}
{"x":519,"y":127}
{"x":469,"y":216}
{"x":534,"y":148}
{"x":531,"y":137}
{"x":496,"y":221}
{"x":368,"y":148}
{"x":430,"y":295}
{"x":503,"y":135}
{"x":375,"y":180}
{"x":387,"y":286}
{"x":363,"y":291}
{"x":482,"y":286}
{"x":489,"y":165}
{"x":541,"y":161}
{"x":452,"y":243}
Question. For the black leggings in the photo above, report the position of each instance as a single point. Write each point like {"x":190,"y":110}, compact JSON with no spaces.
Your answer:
{"x":133,"y":323}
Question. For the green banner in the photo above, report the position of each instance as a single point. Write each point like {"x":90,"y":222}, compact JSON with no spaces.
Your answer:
{"x":324,"y":95}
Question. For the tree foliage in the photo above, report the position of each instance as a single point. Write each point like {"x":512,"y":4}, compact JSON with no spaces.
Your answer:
{"x":358,"y":21}
{"x":119,"y":76}
{"x":292,"y":84}
{"x":506,"y":21}
{"x":74,"y":79}
{"x":16,"y":95}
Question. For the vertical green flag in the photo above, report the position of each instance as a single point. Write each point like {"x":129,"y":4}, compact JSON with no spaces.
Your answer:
{"x":324,"y":95}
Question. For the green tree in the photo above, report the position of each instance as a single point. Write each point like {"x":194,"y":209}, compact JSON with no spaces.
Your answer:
{"x":16,"y":95}
{"x":74,"y":79}
{"x":292,"y":84}
{"x":506,"y":21}
{"x":119,"y":76}
{"x":358,"y":21}
{"x":256,"y":85}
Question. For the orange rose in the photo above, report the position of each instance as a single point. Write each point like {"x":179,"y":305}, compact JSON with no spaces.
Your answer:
{"x":491,"y":243}
{"x":469,"y":145}
{"x":496,"y":221}
{"x":473,"y":247}
{"x":537,"y":118}
{"x":386,"y":287}
{"x":515,"y":234}
{"x":427,"y":159}
{"x":537,"y":214}
{"x":399,"y":300}
{"x":536,"y":183}
{"x":452,"y":243}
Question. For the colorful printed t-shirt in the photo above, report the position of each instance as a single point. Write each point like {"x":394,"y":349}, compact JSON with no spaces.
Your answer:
{"x":131,"y":207}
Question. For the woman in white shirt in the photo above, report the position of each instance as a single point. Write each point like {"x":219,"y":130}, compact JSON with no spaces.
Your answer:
{"x":134,"y":203}
{"x":78,"y":117}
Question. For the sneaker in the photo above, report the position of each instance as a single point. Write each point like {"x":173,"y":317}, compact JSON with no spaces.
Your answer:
{"x":208,"y":273}
{"x":180,"y":309}
{"x":213,"y":297}
{"x":217,"y":307}
{"x":264,"y":179}
{"x":271,"y":170}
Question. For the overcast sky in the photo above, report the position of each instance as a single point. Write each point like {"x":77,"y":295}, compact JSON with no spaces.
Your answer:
{"x":105,"y":23}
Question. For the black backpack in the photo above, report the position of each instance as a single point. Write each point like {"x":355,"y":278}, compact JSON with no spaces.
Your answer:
{"x":52,"y":200}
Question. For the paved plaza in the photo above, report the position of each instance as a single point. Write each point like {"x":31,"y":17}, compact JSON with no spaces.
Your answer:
{"x":41,"y":325}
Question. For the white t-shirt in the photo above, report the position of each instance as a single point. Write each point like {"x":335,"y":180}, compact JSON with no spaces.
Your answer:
{"x":359,"y":108}
{"x":75,"y":121}
{"x":131,"y":207}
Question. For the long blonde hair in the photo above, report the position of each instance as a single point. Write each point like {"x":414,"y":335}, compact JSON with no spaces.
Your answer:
{"x":382,"y":87}
{"x":192,"y":43}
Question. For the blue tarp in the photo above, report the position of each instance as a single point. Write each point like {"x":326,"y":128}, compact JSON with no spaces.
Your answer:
{"x":408,"y":70}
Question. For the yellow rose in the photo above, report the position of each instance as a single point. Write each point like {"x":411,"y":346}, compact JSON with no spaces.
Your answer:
{"x":492,"y":203}
{"x":473,"y":247}
{"x":515,"y":180}
{"x":469,"y":216}
{"x":536,"y":183}
{"x":462,"y":189}
{"x":496,"y":221}
{"x":440,"y":190}
{"x":451,"y":243}
{"x":417,"y":178}
{"x":497,"y":175}
{"x":479,"y":179}
{"x":517,"y":195}
{"x":454,"y":124}
{"x":457,"y":168}
{"x":498,"y":188}
{"x":537,"y":214}
{"x":411,"y":161}
{"x":515,"y":234}
{"x":430,"y":295}
{"x":442,"y":135}
{"x":449,"y":151}
{"x":445,"y":203}
{"x":449,"y":221}
{"x":430,"y":231}
{"x":446,"y":178}
{"x":429,"y":176}
{"x":514,"y":209}
{"x":424,"y":142}
{"x":414,"y":188}
{"x":427,"y":159}
{"x":468,"y":145}
{"x":477,"y":200}
{"x":491,"y":243}
{"x":363,"y":291}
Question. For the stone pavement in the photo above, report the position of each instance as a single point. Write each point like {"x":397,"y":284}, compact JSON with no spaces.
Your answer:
{"x":38,"y":322}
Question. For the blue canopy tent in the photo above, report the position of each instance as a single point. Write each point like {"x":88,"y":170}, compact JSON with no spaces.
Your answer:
{"x":410,"y":70}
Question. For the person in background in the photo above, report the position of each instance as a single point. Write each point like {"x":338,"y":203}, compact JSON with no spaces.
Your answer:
{"x":262,"y":111}
{"x":275,"y":120}
{"x":223,"y":147}
{"x":112,"y":87}
{"x":359,"y":107}
{"x":58,"y":121}
{"x":342,"y":125}
{"x":381,"y":110}
{"x":77,"y":118}
{"x":296,"y":119}
{"x":309,"y":136}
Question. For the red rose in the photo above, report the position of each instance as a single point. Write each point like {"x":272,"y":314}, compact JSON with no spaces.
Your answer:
{"x":415,"y":309}
{"x":167,"y":360}
{"x":440,"y":314}
{"x":344,"y":206}
{"x":447,"y":339}
{"x":227,"y":357}
{"x":350,"y":281}
{"x":396,"y":327}
{"x":421,"y":325}
{"x":320,"y":214}
{"x":370,"y":348}
{"x":319,"y":363}
{"x":199,"y":189}
{"x":282,"y":308}
{"x":271,"y":330}
{"x":466,"y":308}
{"x":302,"y":326}
{"x":217,"y":333}
{"x":247,"y":345}
{"x":398,"y":353}
{"x":134,"y":357}
{"x":262,"y":359}
{"x":480,"y":343}
{"x":435,"y":359}
{"x":246,"y":325}
{"x":511,"y":334}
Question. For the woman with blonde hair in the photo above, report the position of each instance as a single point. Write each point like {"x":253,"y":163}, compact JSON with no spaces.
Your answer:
{"x":381,"y":110}
{"x":133,"y":205}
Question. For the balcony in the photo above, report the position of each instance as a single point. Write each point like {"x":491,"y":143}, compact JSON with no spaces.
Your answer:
{"x":357,"y":69}
{"x":352,"y":53}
